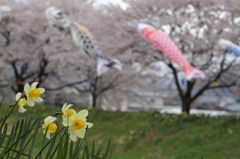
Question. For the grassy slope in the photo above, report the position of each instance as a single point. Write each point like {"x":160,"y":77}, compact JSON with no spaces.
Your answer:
{"x":154,"y":136}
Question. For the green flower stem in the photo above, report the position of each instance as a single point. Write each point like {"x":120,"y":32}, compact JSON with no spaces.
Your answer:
{"x":13,"y":106}
{"x":59,"y":143}
{"x":56,"y":113}
{"x":48,"y":143}
{"x":19,"y":140}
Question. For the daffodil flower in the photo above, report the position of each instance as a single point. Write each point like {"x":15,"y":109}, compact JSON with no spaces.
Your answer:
{"x":66,"y":111}
{"x":33,"y":93}
{"x":77,"y":124}
{"x":21,"y":102}
{"x":49,"y":126}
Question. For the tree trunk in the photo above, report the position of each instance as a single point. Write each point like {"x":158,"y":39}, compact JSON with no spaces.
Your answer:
{"x":20,"y":87}
{"x":186,"y":105}
{"x":94,"y":100}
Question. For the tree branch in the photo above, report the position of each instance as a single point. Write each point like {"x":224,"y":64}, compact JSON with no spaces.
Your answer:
{"x":206,"y":86}
{"x":176,"y":79}
{"x":67,"y":85}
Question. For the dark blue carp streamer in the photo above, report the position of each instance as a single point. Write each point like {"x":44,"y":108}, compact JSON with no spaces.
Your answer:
{"x":234,"y":50}
{"x":229,"y":46}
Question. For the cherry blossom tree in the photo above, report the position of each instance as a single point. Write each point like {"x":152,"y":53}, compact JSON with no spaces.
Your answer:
{"x":33,"y":50}
{"x":196,"y":26}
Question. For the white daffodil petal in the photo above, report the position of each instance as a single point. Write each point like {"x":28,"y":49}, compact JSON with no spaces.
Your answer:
{"x":68,"y":106}
{"x":73,"y":137}
{"x":38,"y":99}
{"x":30,"y":101}
{"x":52,"y":119}
{"x":48,"y":135}
{"x":44,"y":126}
{"x":26,"y":87}
{"x":64,"y":115}
{"x":89,"y":125}
{"x":72,"y":130}
{"x":65,"y":122}
{"x":42,"y":90}
{"x":71,"y":121}
{"x":83,"y":113}
{"x":74,"y":115}
{"x":81,"y":133}
{"x":64,"y":107}
{"x":18,"y":96}
{"x":74,"y":112}
{"x":34,"y":85}
{"x":47,"y":119}
{"x":21,"y":109}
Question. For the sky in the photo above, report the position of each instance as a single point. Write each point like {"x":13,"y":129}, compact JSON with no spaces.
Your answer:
{"x":116,"y":2}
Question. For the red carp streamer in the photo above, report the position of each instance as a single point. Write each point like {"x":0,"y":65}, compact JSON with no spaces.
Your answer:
{"x":170,"y":49}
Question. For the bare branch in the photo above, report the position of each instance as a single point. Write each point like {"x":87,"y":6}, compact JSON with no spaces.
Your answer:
{"x":67,"y":85}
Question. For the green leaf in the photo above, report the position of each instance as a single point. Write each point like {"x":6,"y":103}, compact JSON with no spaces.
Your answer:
{"x":17,"y":131}
{"x":65,"y":148}
{"x":1,"y":102}
{"x":93,"y":149}
{"x":78,"y":148}
{"x":107,"y":150}
{"x":34,"y":137}
{"x":10,"y":140}
{"x":40,"y":152}
{"x":50,"y":149}
{"x":87,"y":151}
{"x":110,"y":156}
{"x":100,"y":147}
{"x":59,"y":149}
{"x":95,"y":157}
{"x":71,"y":150}
{"x":24,"y":154}
{"x":4,"y":135}
{"x":22,"y":138}
{"x":59,"y":143}
{"x":6,"y":157}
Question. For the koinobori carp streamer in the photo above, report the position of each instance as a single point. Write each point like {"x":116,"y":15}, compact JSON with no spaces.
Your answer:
{"x":82,"y":38}
{"x":170,"y":49}
{"x":230,"y":46}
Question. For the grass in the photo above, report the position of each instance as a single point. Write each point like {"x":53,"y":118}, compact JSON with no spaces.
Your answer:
{"x":150,"y":135}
